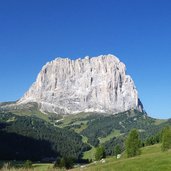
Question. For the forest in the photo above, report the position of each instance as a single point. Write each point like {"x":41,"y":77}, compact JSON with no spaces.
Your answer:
{"x":34,"y":139}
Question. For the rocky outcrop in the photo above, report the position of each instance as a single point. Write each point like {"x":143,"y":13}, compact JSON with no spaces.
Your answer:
{"x":97,"y":84}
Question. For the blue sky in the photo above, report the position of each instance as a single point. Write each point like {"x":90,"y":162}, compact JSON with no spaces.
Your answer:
{"x":138,"y":32}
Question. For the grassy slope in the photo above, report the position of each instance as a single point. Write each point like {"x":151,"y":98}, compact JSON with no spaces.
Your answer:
{"x":30,"y":109}
{"x":113,"y":134}
{"x":90,"y":154}
{"x":151,"y":159}
{"x":160,"y":121}
{"x":83,"y":120}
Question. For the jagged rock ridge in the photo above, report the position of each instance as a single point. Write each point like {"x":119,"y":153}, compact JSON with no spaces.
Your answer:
{"x":97,"y":84}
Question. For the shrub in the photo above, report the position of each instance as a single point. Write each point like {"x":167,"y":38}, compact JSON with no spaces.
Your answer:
{"x":27,"y":164}
{"x":65,"y":162}
{"x":100,"y":153}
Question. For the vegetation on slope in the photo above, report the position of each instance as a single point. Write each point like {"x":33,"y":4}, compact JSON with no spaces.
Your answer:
{"x":29,"y":109}
{"x":103,"y":126}
{"x":110,"y":130}
{"x":133,"y":144}
{"x":69,"y":135}
{"x":151,"y":159}
{"x":31,"y":138}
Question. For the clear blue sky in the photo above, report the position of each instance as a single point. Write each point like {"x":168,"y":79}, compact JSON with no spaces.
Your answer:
{"x":33,"y":32}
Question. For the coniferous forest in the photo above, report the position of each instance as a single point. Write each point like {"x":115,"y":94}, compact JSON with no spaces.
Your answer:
{"x":30,"y":138}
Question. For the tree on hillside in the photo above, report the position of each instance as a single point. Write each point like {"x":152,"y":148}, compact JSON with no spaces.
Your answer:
{"x":153,"y":139}
{"x":166,"y":138}
{"x":117,"y":150}
{"x":100,"y":153}
{"x":132,"y":144}
{"x":65,"y":162}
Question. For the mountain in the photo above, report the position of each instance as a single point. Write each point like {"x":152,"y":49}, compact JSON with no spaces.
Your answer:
{"x":97,"y":84}
{"x":103,"y":99}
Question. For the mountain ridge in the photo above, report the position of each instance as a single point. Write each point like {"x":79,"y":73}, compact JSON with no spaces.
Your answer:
{"x":97,"y":84}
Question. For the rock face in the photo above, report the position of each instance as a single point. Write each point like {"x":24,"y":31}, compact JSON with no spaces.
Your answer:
{"x":97,"y":84}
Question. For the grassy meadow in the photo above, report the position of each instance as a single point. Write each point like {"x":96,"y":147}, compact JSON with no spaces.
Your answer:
{"x":151,"y":159}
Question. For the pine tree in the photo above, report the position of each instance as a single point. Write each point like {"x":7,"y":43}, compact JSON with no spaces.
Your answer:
{"x":132,"y":144}
{"x":117,"y":150}
{"x":166,"y":138}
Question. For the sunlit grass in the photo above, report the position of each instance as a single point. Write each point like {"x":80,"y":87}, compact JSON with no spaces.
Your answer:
{"x":151,"y":159}
{"x":113,"y":134}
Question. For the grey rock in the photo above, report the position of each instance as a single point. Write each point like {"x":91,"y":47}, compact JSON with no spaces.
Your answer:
{"x":97,"y":84}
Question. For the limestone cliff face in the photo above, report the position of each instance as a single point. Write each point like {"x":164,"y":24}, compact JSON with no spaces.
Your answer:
{"x":97,"y":84}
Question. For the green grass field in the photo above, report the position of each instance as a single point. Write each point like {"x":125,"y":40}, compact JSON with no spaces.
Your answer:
{"x":151,"y":159}
{"x":35,"y":167}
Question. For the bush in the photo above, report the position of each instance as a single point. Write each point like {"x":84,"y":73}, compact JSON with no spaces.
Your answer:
{"x":65,"y":162}
{"x":27,"y":164}
{"x":100,"y":153}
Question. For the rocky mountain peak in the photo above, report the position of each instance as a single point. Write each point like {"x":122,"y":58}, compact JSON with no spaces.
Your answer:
{"x":97,"y":84}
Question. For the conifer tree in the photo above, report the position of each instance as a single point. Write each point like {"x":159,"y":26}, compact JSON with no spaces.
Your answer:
{"x":166,"y":138}
{"x":117,"y":150}
{"x":132,"y":144}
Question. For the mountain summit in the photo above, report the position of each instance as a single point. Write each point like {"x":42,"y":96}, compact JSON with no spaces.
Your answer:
{"x":97,"y":84}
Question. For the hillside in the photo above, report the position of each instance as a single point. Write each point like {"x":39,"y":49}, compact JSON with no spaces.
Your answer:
{"x":151,"y":159}
{"x":110,"y":130}
{"x":24,"y":137}
{"x":29,"y":109}
{"x":71,"y":135}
